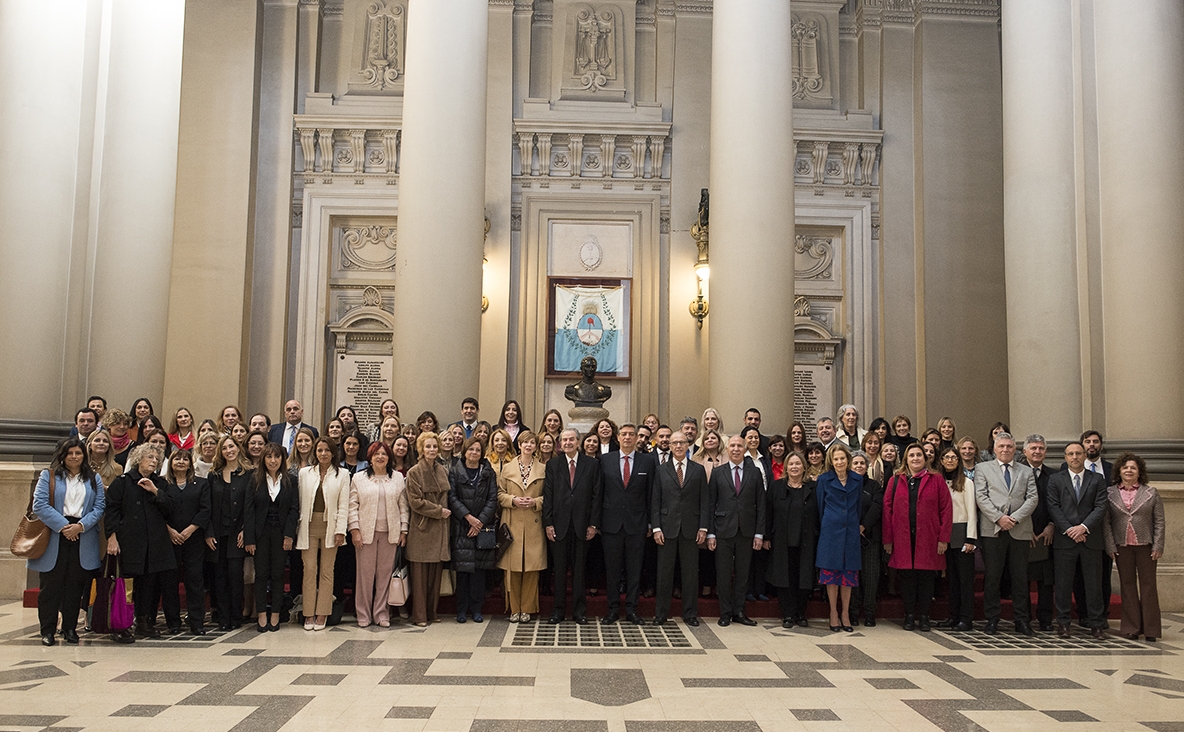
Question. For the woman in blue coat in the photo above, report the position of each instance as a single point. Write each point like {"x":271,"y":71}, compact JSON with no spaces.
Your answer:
{"x":838,"y":558}
{"x":72,"y":555}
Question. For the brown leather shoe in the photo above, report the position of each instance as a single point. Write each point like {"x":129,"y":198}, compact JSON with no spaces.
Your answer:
{"x":1063,"y":630}
{"x":1100,"y":634}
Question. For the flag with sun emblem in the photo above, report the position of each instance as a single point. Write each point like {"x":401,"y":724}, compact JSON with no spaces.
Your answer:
{"x":590,"y":321}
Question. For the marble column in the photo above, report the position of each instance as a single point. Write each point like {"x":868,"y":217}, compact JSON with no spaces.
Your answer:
{"x":1040,"y":219}
{"x":437,"y":299}
{"x":1140,"y":106}
{"x":752,"y":205}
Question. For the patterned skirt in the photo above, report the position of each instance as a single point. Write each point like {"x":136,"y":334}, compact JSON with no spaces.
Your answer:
{"x":840,"y":577}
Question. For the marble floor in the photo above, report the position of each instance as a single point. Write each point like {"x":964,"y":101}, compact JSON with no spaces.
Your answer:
{"x":498,"y":677}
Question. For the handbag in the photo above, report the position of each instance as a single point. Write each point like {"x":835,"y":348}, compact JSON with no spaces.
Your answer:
{"x":487,"y":538}
{"x":398,"y":591}
{"x":447,"y":582}
{"x":113,"y":611}
{"x":504,"y":539}
{"x":32,"y":535}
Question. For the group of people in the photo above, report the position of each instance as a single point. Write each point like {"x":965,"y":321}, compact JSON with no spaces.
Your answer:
{"x":231,"y":505}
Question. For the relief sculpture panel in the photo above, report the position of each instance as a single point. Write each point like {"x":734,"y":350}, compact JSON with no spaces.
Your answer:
{"x":378,"y":50}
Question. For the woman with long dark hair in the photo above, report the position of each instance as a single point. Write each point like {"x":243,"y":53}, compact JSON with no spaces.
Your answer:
{"x":69,"y":499}
{"x":191,"y":497}
{"x":511,"y":421}
{"x":270,"y":518}
{"x":324,"y":516}
{"x":229,"y":486}
{"x":963,"y":537}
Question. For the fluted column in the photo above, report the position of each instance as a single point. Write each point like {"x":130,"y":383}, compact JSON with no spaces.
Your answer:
{"x":751,"y":226}
{"x":1040,"y":219}
{"x":441,"y":206}
{"x":1140,"y":103}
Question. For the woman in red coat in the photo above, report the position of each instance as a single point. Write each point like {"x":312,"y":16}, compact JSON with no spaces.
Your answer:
{"x":918,"y":517}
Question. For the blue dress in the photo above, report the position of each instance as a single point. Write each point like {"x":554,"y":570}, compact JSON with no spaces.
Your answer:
{"x":839,"y":555}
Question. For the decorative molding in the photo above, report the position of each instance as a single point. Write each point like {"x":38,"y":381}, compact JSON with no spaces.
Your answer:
{"x":801,"y":307}
{"x":596,"y":58}
{"x":31,"y":439}
{"x":964,"y":8}
{"x":356,"y":241}
{"x":816,"y":248}
{"x":382,"y":55}
{"x":605,"y":150}
{"x":693,"y":7}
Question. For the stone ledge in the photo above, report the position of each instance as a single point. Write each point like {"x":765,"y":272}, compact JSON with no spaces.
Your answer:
{"x":30,"y":438}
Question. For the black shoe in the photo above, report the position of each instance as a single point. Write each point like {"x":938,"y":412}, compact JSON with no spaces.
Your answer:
{"x":802,"y":622}
{"x":992,"y":627}
{"x":1024,"y":628}
{"x":611,"y":618}
{"x":1097,"y":633}
{"x":262,"y":628}
{"x":848,"y":629}
{"x":49,"y":640}
{"x":70,"y":636}
{"x":146,"y":630}
{"x":634,"y":618}
{"x":963,"y":626}
{"x":909,"y":624}
{"x":835,"y":628}
{"x":787,"y":623}
{"x":694,"y":623}
{"x":124,"y":636}
{"x":1045,"y":627}
{"x":869,"y":621}
{"x":724,"y":621}
{"x":660,"y":620}
{"x":174,"y":630}
{"x":1150,"y":639}
{"x":555,"y":619}
{"x":581,"y":620}
{"x":197,"y":630}
{"x":923,"y":624}
{"x":744,"y":620}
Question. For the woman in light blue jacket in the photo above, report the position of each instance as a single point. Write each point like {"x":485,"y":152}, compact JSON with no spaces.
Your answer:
{"x":72,"y":555}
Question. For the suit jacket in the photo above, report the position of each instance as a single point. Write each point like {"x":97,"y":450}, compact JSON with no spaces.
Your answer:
{"x":679,"y":510}
{"x":729,"y":513}
{"x":567,"y":506}
{"x":1107,"y":470}
{"x":336,"y":495}
{"x":258,"y":500}
{"x":192,"y":506}
{"x":871,"y":509}
{"x":995,"y":500}
{"x":1066,"y":511}
{"x":276,"y":433}
{"x":227,"y":502}
{"x":1040,"y":517}
{"x":89,"y":553}
{"x":626,"y":507}
{"x":1145,"y":515}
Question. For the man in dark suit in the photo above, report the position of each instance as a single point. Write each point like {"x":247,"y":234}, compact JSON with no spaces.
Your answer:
{"x":1040,"y":562}
{"x":626,"y":480}
{"x":571,"y":504}
{"x":752,"y":418}
{"x":284,"y":433}
{"x":1092,"y":440}
{"x":736,"y":523}
{"x":1077,"y":503}
{"x":678,"y":513}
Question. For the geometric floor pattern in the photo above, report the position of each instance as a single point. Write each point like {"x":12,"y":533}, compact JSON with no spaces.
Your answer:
{"x":503,"y":677}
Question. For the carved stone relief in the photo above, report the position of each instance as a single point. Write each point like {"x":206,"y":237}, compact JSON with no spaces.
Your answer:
{"x":814,"y":39}
{"x":590,"y":42}
{"x":595,"y":47}
{"x":368,"y":247}
{"x":813,"y":257}
{"x":378,"y":54}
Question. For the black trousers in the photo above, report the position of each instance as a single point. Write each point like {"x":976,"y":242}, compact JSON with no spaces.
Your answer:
{"x":1089,"y":563}
{"x":570,"y":551}
{"x":228,"y":583}
{"x":685,"y":552}
{"x":269,"y":568}
{"x":1043,"y":573}
{"x":916,"y":589}
{"x":960,"y":572}
{"x":1080,"y":593}
{"x":470,"y":592}
{"x":62,"y":588}
{"x":146,"y":591}
{"x":793,"y":599}
{"x":733,"y":557}
{"x":863,"y":598}
{"x":623,"y":551}
{"x":190,"y":567}
{"x":1000,"y":551}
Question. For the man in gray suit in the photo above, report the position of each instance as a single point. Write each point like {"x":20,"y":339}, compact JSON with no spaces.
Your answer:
{"x":1005,"y":492}
{"x":678,"y":513}
{"x":1077,"y":502}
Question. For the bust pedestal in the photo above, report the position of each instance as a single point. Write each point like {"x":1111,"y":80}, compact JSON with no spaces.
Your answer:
{"x":585,"y":418}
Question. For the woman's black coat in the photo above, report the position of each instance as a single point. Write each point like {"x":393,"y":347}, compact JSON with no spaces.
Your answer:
{"x":287,"y":504}
{"x":139,"y":521}
{"x":478,"y":498}
{"x":227,"y":504}
{"x":794,"y":522}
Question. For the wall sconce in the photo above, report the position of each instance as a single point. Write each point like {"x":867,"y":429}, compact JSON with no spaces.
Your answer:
{"x":699,"y":306}
{"x":485,"y":266}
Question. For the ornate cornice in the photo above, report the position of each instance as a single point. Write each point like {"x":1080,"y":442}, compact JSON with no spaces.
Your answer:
{"x":693,"y":7}
{"x":964,"y":8}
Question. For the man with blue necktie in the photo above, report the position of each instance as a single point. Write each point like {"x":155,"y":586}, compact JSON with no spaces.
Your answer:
{"x":1005,"y":491}
{"x":284,"y":434}
{"x":1077,"y":502}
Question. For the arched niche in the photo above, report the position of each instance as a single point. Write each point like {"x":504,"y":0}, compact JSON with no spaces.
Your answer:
{"x":360,"y":359}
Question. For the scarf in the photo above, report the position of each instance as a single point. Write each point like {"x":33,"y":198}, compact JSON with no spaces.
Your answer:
{"x":119,"y":444}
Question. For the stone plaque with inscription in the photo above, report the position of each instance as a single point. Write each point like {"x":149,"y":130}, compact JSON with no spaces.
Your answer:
{"x":363,"y":381}
{"x":813,"y":395}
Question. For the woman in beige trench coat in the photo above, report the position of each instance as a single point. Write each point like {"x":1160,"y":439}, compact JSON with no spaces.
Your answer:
{"x":520,"y":495}
{"x":427,"y":532}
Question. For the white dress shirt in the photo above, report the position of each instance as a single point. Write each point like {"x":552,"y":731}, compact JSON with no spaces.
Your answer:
{"x":273,"y":486}
{"x":75,"y":497}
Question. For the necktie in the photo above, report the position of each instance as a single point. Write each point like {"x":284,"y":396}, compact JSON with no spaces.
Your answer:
{"x":678,"y":472}
{"x":571,"y":473}
{"x":1094,"y":467}
{"x":1077,"y":487}
{"x":1007,"y":476}
{"x":625,"y":472}
{"x":468,"y":432}
{"x":289,"y":437}
{"x":665,"y":457}
{"x":736,"y":473}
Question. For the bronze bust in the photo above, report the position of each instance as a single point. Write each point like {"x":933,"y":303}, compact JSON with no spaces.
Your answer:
{"x":586,"y":392}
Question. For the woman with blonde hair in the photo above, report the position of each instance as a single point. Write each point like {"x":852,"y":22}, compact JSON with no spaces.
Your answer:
{"x":229,"y":484}
{"x":711,"y":422}
{"x":710,"y":451}
{"x":301,"y":456}
{"x":203,"y":454}
{"x":839,"y":556}
{"x":427,"y":530}
{"x":102,"y":457}
{"x":228,"y":418}
{"x":181,"y":432}
{"x":501,"y":449}
{"x":389,"y":430}
{"x":520,"y":495}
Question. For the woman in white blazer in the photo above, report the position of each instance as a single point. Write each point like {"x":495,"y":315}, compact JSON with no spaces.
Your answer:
{"x":324,"y":511}
{"x":378,"y":518}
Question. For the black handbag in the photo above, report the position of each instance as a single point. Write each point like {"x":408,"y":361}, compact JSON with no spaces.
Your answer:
{"x":487,"y":538}
{"x":504,"y":539}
